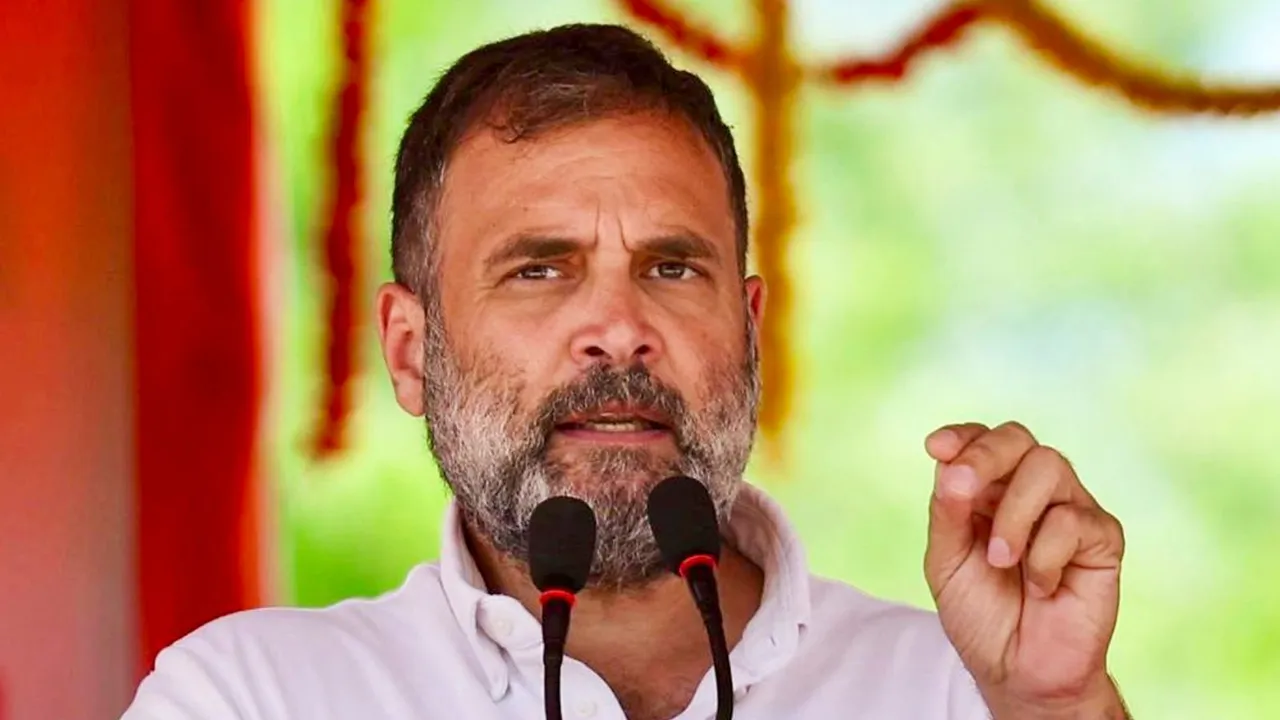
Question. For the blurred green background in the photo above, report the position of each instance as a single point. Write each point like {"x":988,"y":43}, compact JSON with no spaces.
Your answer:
{"x":988,"y":240}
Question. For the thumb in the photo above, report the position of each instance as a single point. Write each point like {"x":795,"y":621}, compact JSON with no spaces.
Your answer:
{"x":951,"y":533}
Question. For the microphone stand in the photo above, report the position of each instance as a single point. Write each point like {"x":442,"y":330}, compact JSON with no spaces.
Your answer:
{"x":557,"y":605}
{"x":699,"y":573}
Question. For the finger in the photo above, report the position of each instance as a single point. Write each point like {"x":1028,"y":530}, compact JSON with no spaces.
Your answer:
{"x":985,"y":460}
{"x":947,"y":441}
{"x":951,"y":538}
{"x":958,"y":490}
{"x":1071,"y":535}
{"x":1043,"y":478}
{"x":988,"y":501}
{"x":954,"y":525}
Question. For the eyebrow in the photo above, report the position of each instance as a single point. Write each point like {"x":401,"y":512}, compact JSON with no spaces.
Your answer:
{"x":529,"y":247}
{"x":682,"y":245}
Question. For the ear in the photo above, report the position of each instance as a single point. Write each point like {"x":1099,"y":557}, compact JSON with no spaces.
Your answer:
{"x":755,"y":292}
{"x":401,"y":330}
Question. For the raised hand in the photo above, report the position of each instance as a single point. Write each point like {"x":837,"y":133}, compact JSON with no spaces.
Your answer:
{"x":1024,"y":566}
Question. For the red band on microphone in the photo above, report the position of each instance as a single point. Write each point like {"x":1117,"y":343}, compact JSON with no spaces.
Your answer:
{"x":554,"y":594}
{"x":695,"y":560}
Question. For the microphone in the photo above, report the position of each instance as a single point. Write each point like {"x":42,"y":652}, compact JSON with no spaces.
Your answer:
{"x":562,"y":543}
{"x":683,"y":519}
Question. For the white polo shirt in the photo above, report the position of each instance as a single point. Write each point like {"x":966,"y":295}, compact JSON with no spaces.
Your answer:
{"x":441,"y":647}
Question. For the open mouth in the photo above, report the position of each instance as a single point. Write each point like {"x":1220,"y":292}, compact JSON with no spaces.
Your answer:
{"x":614,"y":425}
{"x":616,"y":421}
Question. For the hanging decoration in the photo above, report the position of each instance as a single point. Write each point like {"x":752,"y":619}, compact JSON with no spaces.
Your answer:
{"x":343,"y":237}
{"x":1074,"y":53}
{"x":771,"y":72}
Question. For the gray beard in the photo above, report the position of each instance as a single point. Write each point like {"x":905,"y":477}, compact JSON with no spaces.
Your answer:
{"x":495,"y":459}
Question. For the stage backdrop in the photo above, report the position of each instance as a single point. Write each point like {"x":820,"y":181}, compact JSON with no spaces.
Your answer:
{"x":967,"y":212}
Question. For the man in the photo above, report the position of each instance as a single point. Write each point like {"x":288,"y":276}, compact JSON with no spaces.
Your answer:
{"x":572,"y":315}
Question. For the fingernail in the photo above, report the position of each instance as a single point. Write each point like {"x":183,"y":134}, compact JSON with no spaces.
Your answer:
{"x":945,"y":437}
{"x":1036,"y":591}
{"x":960,"y":480}
{"x":999,"y":554}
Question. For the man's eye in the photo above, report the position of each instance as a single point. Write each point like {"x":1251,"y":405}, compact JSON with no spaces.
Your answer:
{"x":537,"y":272}
{"x":672,"y":271}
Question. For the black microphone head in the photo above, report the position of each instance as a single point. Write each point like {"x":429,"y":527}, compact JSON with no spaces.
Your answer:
{"x":683,"y":519}
{"x":562,"y":543}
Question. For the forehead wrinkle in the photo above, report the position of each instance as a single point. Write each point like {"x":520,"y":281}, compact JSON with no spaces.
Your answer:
{"x":617,"y":220}
{"x":600,"y":218}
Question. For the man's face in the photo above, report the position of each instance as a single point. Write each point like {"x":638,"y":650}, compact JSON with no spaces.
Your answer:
{"x":591,"y":333}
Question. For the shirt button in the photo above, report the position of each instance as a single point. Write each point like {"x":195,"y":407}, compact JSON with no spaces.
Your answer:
{"x":587,"y":708}
{"x":502,"y":627}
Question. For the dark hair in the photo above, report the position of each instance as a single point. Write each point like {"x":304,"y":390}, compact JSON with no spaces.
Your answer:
{"x":531,"y":83}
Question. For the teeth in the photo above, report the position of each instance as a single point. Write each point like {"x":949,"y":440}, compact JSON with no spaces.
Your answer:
{"x":618,"y":426}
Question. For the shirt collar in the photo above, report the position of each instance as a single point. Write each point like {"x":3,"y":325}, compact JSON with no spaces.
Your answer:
{"x":757,"y":528}
{"x":465,"y":591}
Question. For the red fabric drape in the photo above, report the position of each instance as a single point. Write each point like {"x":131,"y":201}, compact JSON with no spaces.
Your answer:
{"x":198,"y":370}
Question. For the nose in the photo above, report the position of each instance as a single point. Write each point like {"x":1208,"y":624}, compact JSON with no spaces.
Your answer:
{"x":615,"y":331}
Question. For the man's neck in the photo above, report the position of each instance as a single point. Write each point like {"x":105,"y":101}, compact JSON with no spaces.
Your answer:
{"x":648,"y":643}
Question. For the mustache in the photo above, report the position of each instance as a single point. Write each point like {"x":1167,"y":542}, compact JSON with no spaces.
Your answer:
{"x":634,"y":386}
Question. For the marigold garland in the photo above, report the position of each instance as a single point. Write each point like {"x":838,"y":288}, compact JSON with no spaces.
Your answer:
{"x":944,"y":29}
{"x":682,"y":33}
{"x":1072,"y":52}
